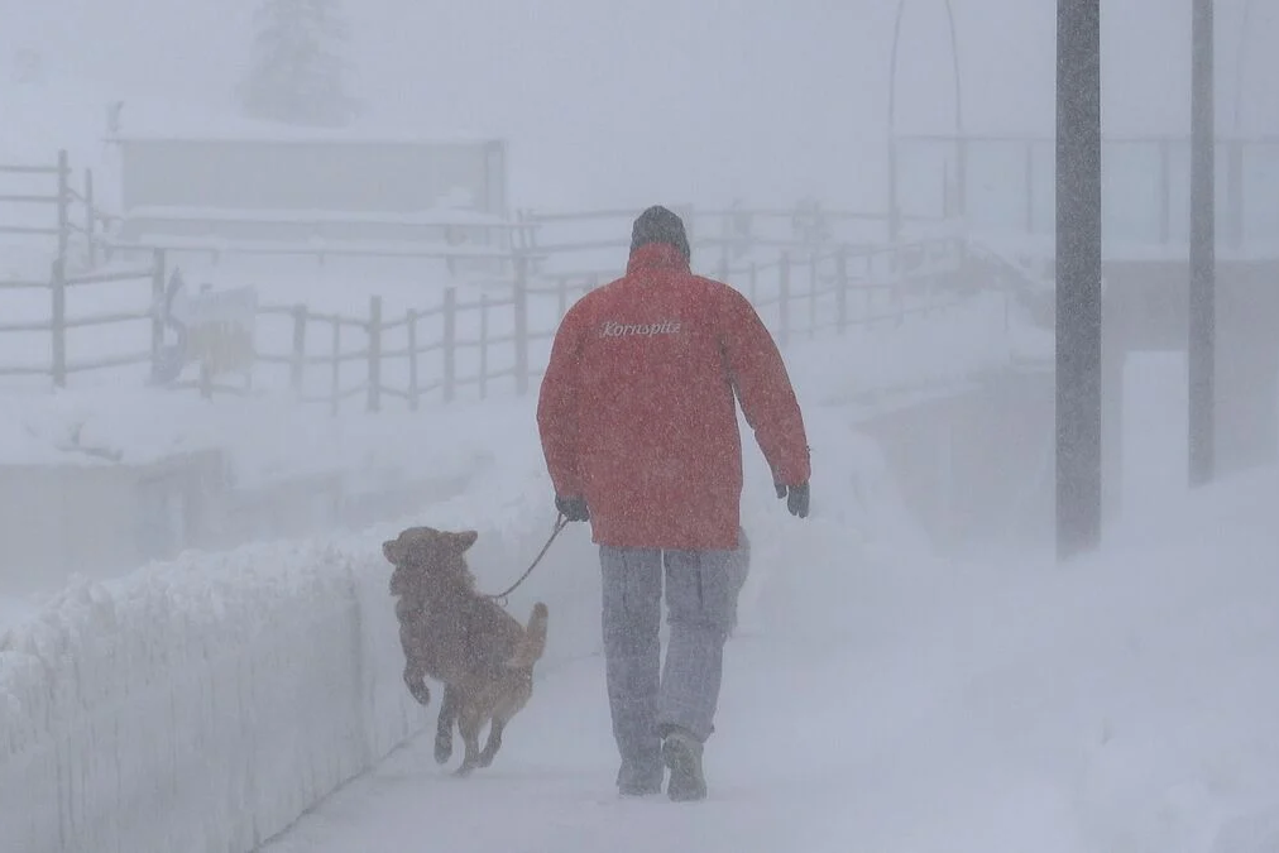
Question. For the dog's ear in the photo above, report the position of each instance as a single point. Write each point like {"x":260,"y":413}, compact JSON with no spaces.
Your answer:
{"x":463,"y":540}
{"x":420,"y":544}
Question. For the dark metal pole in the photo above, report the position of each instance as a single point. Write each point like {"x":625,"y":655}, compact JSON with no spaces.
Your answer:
{"x":1241,"y":65}
{"x":1201,"y":355}
{"x":1078,"y":276}
{"x":894,"y":202}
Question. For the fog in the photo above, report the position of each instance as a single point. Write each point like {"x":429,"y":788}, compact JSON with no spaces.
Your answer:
{"x":608,"y":103}
{"x":197,"y":648}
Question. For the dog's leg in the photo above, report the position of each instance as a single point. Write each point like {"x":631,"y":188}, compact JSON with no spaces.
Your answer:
{"x":517,"y":691}
{"x":470,"y":719}
{"x":494,"y":741}
{"x":444,"y":725}
{"x":415,"y":680}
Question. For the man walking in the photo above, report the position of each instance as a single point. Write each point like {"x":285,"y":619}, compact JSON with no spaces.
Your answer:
{"x":638,"y":422}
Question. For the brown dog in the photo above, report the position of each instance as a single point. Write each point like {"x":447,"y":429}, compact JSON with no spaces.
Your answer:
{"x":455,"y":635}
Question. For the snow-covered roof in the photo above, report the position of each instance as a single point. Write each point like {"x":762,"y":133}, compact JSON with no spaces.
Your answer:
{"x":149,"y":120}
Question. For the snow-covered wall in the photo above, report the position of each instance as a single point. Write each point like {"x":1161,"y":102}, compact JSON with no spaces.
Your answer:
{"x":200,"y":705}
{"x":205,"y":704}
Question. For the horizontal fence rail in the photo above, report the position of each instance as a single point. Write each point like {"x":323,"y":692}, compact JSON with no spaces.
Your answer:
{"x":495,"y":341}
{"x":809,"y":272}
{"x":72,"y":219}
{"x":1007,"y":184}
{"x":499,"y":339}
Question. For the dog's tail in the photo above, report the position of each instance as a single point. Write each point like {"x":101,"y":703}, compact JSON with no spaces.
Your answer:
{"x":533,"y":643}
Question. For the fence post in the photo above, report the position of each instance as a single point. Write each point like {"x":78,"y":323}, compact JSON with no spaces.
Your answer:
{"x":1165,"y":192}
{"x":64,"y":205}
{"x":783,"y":299}
{"x":449,"y":345}
{"x":297,"y":367}
{"x":1030,"y":188}
{"x":725,"y":248}
{"x":335,"y":391}
{"x":561,"y":294}
{"x":1236,"y":189}
{"x":414,"y":394}
{"x":530,"y":230}
{"x":375,"y":354}
{"x":841,"y":293}
{"x":206,"y":380}
{"x":688,"y":213}
{"x":897,"y":290}
{"x":521,"y":326}
{"x":812,"y":297}
{"x":484,"y":345}
{"x":57,"y":323}
{"x":157,"y":303}
{"x":90,"y":218}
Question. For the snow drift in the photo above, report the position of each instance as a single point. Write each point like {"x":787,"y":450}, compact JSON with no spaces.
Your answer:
{"x":201,"y":705}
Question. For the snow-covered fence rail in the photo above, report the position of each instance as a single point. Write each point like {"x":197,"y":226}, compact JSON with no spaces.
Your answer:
{"x":492,"y":334}
{"x":586,"y":240}
{"x":501,"y":339}
{"x":200,"y":705}
{"x":455,"y":242}
{"x":53,"y":321}
{"x":729,"y":236}
{"x":75,"y":219}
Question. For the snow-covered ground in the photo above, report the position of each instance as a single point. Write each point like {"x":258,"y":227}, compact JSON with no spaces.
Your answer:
{"x":893,"y":702}
{"x":877,"y":697}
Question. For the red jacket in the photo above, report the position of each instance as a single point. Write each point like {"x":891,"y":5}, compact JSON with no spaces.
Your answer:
{"x":637,"y":414}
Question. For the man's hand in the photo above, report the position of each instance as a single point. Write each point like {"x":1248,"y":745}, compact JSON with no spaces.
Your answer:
{"x":796,"y":498}
{"x":573,"y":509}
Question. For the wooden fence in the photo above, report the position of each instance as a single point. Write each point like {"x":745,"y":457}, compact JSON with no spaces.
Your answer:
{"x":804,"y":277}
{"x":58,"y":322}
{"x":75,"y":218}
{"x":492,"y":246}
{"x":493,"y":341}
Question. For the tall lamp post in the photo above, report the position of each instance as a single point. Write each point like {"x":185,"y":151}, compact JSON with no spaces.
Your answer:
{"x":1241,"y":63}
{"x":1078,"y":377}
{"x":1201,"y":346}
{"x":961,"y":168}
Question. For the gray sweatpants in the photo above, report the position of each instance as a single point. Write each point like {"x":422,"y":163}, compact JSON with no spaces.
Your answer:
{"x":701,"y":599}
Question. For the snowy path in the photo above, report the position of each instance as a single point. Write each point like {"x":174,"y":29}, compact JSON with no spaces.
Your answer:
{"x":1125,"y":704}
{"x":777,"y":782}
{"x":774,"y":785}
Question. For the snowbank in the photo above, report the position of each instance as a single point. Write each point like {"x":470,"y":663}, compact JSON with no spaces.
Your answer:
{"x":206,"y":703}
{"x":201,"y":705}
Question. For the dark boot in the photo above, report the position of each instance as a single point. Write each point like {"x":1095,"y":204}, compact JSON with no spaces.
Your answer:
{"x":634,"y":780}
{"x":683,"y":756}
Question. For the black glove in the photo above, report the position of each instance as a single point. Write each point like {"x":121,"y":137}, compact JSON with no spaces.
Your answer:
{"x":573,"y":509}
{"x":796,"y":498}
